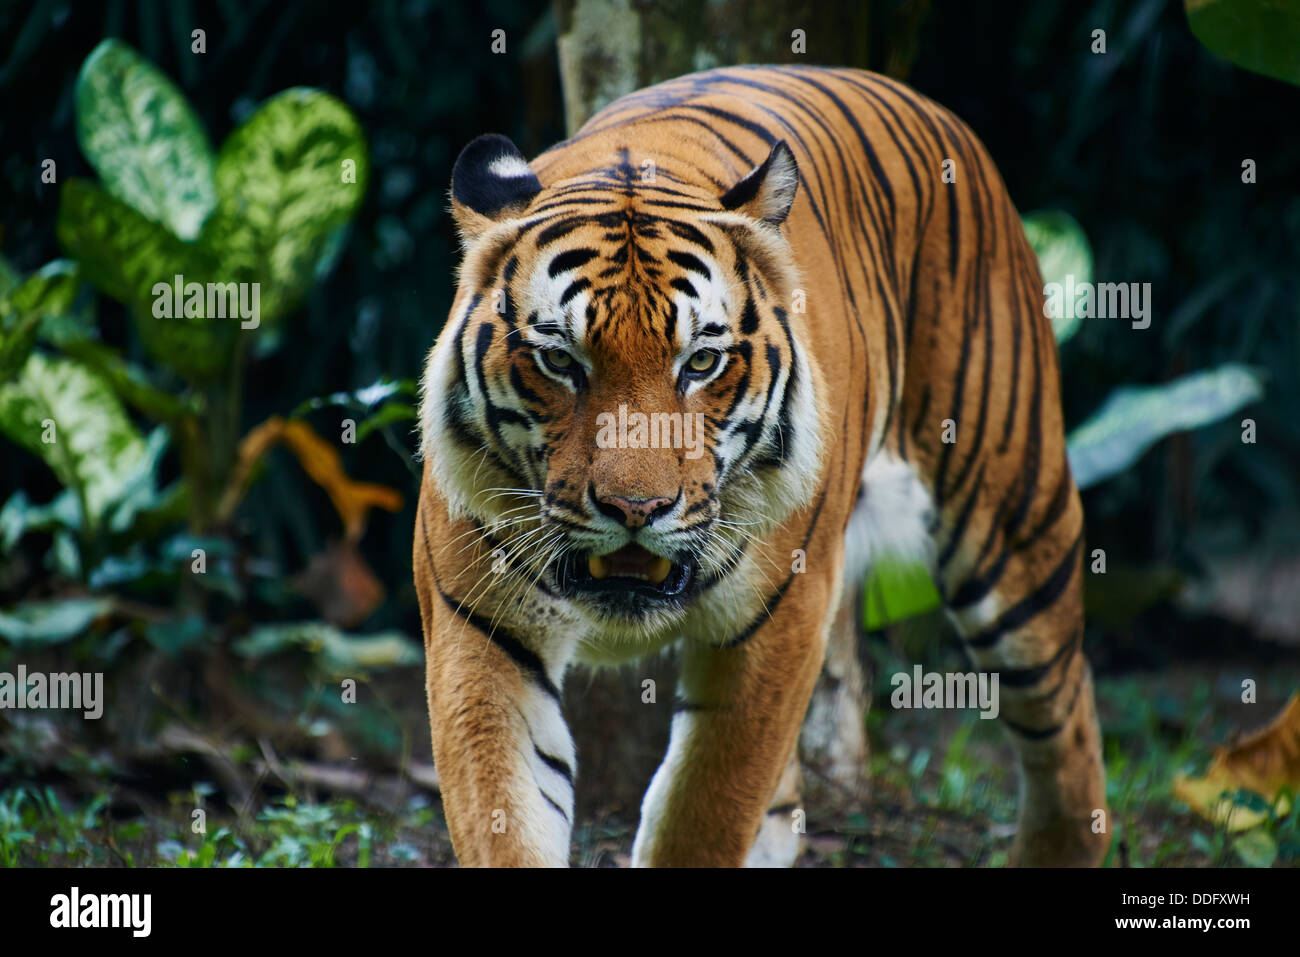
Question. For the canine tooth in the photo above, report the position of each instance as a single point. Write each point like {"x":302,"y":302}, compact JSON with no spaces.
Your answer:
{"x":598,"y":566}
{"x":659,"y":570}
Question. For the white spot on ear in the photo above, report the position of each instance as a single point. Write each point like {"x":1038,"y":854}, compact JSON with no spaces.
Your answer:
{"x":509,"y":167}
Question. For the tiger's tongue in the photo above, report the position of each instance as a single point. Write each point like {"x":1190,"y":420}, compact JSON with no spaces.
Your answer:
{"x":630,"y":561}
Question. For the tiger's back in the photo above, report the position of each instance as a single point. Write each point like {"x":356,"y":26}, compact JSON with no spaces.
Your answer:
{"x":899,"y":395}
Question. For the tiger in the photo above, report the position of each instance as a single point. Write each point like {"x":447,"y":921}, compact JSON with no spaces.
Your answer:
{"x":820,"y":274}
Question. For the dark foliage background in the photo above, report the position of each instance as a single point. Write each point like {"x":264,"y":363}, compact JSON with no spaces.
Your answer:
{"x":1143,"y":145}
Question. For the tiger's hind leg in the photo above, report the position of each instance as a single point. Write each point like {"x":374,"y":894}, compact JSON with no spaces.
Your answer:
{"x":1022,"y":617}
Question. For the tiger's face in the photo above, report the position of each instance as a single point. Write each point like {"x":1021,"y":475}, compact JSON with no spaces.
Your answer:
{"x":620,"y":398}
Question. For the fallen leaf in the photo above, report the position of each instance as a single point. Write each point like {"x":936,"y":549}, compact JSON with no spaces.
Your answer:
{"x":341,"y":585}
{"x":320,"y":460}
{"x":1265,"y":763}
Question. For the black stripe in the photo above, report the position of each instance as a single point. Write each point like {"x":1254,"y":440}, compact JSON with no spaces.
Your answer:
{"x":749,"y":317}
{"x":551,"y":802}
{"x":527,"y":661}
{"x":571,"y":259}
{"x":1028,"y":677}
{"x":574,"y":288}
{"x":555,"y":764}
{"x":690,"y":263}
{"x":1038,"y":600}
{"x":1039,"y":734}
{"x":766,"y":613}
{"x":690,"y":234}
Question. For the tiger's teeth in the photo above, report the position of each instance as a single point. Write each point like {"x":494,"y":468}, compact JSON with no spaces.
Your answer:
{"x":659,"y":570}
{"x":598,"y":566}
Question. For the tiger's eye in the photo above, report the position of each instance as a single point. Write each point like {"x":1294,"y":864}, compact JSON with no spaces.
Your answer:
{"x":558,"y":359}
{"x":703,"y":361}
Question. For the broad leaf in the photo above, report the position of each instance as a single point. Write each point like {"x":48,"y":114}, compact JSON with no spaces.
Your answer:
{"x":25,"y":306}
{"x":19,"y":516}
{"x":126,"y":256}
{"x":122,"y":253}
{"x":51,"y":622}
{"x":340,"y":654}
{"x":896,"y":590}
{"x":1256,"y":848}
{"x":1258,"y":35}
{"x":1133,"y":418}
{"x":17,"y":340}
{"x":49,"y":292}
{"x":364,"y":398}
{"x":71,"y":420}
{"x":128,"y":381}
{"x":1062,"y":249}
{"x":140,"y":491}
{"x":282,"y":191}
{"x":143,"y":138}
{"x":174,"y":635}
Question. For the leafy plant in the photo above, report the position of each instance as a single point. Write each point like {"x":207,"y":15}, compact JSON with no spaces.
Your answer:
{"x":208,"y":252}
{"x":265,"y":212}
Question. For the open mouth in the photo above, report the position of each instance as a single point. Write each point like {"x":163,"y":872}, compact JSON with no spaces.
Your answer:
{"x":630,"y":569}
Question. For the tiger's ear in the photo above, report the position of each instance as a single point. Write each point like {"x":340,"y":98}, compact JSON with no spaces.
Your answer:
{"x":490,"y":181}
{"x":767,"y":192}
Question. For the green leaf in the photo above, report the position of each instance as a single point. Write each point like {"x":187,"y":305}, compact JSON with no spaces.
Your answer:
{"x":282,"y":195}
{"x":1134,"y":418}
{"x":128,"y":381}
{"x":19,"y":516}
{"x":366,"y":397}
{"x":388,"y":413}
{"x":140,"y":485}
{"x":17,"y":342}
{"x":147,"y":144}
{"x":1062,"y":249}
{"x":9,"y":280}
{"x":1262,"y":36}
{"x":340,"y":654}
{"x":121,"y":252}
{"x":176,"y":634}
{"x":24,"y":307}
{"x":896,"y":590}
{"x":126,"y":256}
{"x":49,"y":292}
{"x":51,"y":622}
{"x":94,"y":449}
{"x":1256,"y":848}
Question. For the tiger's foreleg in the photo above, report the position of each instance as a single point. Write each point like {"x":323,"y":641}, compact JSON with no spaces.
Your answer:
{"x":733,"y":735}
{"x":504,"y":755}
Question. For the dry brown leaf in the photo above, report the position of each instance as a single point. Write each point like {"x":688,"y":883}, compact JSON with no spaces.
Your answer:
{"x":1264,"y":762}
{"x":341,"y":585}
{"x":352,"y":500}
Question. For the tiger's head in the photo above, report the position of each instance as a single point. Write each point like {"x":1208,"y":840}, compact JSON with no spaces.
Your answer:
{"x":621,"y":399}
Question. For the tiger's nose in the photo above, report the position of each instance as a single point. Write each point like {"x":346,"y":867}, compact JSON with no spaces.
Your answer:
{"x":634,"y":512}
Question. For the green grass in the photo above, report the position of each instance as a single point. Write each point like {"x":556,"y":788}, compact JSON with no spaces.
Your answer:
{"x":37,"y":830}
